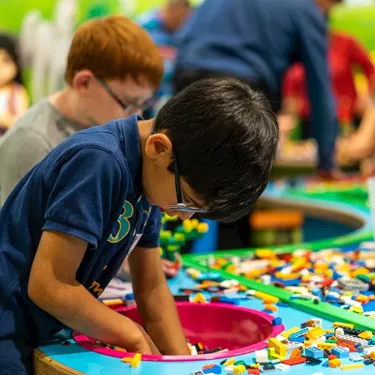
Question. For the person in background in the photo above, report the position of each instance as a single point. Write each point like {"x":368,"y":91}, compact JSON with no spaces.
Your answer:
{"x":257,"y":41}
{"x":162,"y":25}
{"x":360,"y":146}
{"x":345,"y":55}
{"x":14,"y":100}
{"x":113,"y":69}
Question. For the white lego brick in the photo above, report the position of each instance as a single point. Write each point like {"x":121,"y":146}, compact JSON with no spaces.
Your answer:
{"x":318,"y":322}
{"x":229,"y":284}
{"x":266,"y":279}
{"x":229,"y":369}
{"x":339,"y":331}
{"x":369,"y":350}
{"x":356,"y":358}
{"x":261,"y":356}
{"x":321,"y":339}
{"x":193,"y":350}
{"x":282,"y":367}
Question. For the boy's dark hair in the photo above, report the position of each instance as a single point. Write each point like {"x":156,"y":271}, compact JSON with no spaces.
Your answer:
{"x":225,"y":137}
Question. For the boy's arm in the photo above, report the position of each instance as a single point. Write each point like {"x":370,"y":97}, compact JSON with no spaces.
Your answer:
{"x":54,"y":288}
{"x":155,"y":302}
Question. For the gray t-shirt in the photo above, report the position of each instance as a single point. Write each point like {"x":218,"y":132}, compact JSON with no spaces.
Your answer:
{"x":31,"y":138}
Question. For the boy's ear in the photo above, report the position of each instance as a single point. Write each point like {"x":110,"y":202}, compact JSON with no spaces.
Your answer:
{"x":82,"y":81}
{"x":158,"y":146}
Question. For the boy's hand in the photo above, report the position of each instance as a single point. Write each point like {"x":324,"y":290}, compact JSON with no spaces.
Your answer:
{"x":54,"y":288}
{"x":155,"y":302}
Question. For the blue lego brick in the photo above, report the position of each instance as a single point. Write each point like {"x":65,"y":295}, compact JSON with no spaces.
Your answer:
{"x":213,"y":370}
{"x":211,"y":276}
{"x":299,"y":333}
{"x":276,"y":321}
{"x":228,"y":300}
{"x":340,"y":352}
{"x":292,"y":282}
{"x":300,"y":339}
{"x":282,"y":304}
{"x":314,"y":352}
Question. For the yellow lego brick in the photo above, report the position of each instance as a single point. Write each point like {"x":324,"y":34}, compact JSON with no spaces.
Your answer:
{"x":238,"y":370}
{"x":127,"y":359}
{"x":194,"y":223}
{"x":333,"y":363}
{"x":367,"y":335}
{"x":299,"y":263}
{"x":272,"y":354}
{"x":361,"y":298}
{"x":343,"y":325}
{"x":199,"y":298}
{"x":359,"y":271}
{"x":231,"y":269}
{"x":287,"y":276}
{"x":288,"y":332}
{"x":202,"y":228}
{"x":280,"y":348}
{"x":118,"y":348}
{"x":253,"y":274}
{"x":357,"y":309}
{"x":136,"y":360}
{"x":266,"y":297}
{"x":229,"y":362}
{"x":315,"y":333}
{"x":265,"y":254}
{"x":352,"y":367}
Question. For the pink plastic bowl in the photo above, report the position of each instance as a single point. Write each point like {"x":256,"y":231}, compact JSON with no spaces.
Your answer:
{"x":238,"y":329}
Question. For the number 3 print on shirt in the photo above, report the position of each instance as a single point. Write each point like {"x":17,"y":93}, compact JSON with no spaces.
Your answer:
{"x":123,"y":223}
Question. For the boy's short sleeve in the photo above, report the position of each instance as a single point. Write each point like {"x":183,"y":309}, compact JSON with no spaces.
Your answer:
{"x":150,"y":237}
{"x":82,"y":194}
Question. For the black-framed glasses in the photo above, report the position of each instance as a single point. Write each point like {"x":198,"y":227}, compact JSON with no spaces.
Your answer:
{"x":181,"y":206}
{"x":126,"y":107}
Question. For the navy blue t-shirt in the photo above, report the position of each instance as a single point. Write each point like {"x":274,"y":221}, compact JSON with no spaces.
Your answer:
{"x":90,"y":187}
{"x":260,"y":40}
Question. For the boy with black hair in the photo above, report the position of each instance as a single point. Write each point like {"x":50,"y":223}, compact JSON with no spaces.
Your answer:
{"x":94,"y":200}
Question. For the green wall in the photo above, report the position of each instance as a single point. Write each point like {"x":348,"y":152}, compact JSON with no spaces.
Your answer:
{"x":358,"y":21}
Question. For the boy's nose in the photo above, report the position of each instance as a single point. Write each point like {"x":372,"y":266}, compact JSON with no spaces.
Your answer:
{"x":185,"y":215}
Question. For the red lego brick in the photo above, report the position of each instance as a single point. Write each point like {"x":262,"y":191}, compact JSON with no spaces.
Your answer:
{"x":253,"y":371}
{"x":294,"y":361}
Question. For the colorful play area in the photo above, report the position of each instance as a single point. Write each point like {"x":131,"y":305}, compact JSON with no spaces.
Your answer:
{"x":306,"y":308}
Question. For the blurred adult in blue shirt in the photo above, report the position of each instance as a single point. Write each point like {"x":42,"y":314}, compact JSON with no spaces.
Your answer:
{"x":257,"y":41}
{"x":162,"y":25}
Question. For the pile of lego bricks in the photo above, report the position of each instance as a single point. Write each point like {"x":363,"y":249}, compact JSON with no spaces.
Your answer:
{"x":310,"y":345}
{"x":343,"y":278}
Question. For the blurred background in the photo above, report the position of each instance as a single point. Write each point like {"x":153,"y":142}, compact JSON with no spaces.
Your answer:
{"x":32,"y":22}
{"x":43,"y":30}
